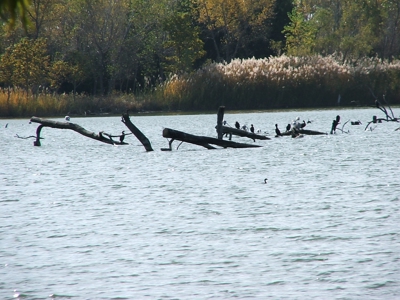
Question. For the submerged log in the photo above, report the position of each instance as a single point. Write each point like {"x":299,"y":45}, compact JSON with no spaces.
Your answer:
{"x":203,"y":141}
{"x":304,"y":131}
{"x":75,"y":127}
{"x":139,"y":135}
{"x":243,"y":133}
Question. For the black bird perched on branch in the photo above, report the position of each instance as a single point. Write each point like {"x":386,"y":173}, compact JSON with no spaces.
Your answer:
{"x":252,"y":128}
{"x":277,"y":131}
{"x":121,"y":137}
{"x":288,"y":127}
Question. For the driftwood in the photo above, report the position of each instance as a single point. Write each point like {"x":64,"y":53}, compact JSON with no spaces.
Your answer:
{"x":243,"y":133}
{"x":139,"y":135}
{"x":304,"y":131}
{"x":225,"y":130}
{"x":26,"y":137}
{"x":379,"y":120}
{"x":220,"y":118}
{"x":101,"y":136}
{"x":200,"y":140}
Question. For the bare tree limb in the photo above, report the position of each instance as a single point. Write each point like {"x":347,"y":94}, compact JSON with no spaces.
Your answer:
{"x":75,"y":127}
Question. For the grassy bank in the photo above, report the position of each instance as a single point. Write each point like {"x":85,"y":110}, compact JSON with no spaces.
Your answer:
{"x":271,"y":83}
{"x":16,"y":103}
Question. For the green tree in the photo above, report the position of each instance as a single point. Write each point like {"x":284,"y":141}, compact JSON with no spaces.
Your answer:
{"x":7,"y":71}
{"x":10,"y":9}
{"x":299,"y":34}
{"x":183,"y":46}
{"x":61,"y":72}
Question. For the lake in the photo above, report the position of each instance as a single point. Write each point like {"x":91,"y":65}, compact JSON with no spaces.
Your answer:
{"x":80,"y":219}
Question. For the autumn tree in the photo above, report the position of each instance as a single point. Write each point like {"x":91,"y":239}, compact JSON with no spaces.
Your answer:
{"x":232,"y":24}
{"x":28,"y":64}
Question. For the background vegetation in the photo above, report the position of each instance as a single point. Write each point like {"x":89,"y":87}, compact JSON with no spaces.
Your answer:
{"x":77,"y":56}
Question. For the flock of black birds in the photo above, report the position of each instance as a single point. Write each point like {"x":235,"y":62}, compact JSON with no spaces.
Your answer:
{"x":296,"y":127}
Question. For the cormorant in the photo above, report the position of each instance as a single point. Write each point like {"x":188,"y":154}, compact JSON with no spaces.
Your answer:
{"x":265,"y":180}
{"x":288,"y":127}
{"x":277,"y":131}
{"x":121,"y":137}
{"x":302,"y":125}
{"x":252,"y":128}
{"x":237,"y":125}
{"x":335,"y":123}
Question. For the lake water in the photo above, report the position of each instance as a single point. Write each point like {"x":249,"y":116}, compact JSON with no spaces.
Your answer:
{"x":81,"y":219}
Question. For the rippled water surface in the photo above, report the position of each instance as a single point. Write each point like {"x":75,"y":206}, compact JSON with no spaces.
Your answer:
{"x":85,"y":220}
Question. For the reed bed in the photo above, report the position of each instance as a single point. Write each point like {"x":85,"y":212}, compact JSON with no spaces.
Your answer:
{"x":270,"y":83}
{"x":281,"y":82}
{"x":16,"y":103}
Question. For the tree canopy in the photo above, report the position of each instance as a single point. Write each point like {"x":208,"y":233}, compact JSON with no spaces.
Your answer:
{"x":102,"y":46}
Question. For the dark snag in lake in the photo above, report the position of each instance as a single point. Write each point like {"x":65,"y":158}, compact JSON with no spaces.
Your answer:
{"x":303,"y":131}
{"x":242,"y":133}
{"x":101,"y":136}
{"x":139,"y":135}
{"x":225,"y":130}
{"x":220,"y":119}
{"x":381,"y":107}
{"x":203,"y":141}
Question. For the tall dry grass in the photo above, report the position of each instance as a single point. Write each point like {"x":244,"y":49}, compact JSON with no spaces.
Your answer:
{"x":285,"y":81}
{"x":16,"y":103}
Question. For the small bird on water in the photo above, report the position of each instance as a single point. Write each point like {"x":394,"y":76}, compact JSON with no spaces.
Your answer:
{"x":265,"y":180}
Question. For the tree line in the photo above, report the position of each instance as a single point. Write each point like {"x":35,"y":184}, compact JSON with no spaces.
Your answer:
{"x":98,"y":47}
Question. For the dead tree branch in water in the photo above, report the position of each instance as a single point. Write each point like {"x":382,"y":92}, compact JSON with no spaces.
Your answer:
{"x":203,"y":141}
{"x":101,"y":136}
{"x":139,"y":135}
{"x":26,"y":137}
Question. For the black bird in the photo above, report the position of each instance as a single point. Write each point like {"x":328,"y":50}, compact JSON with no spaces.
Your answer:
{"x":265,"y":180}
{"x":121,"y":137}
{"x":237,"y":125}
{"x":288,"y":127}
{"x":277,"y":131}
{"x":252,"y":128}
{"x":302,"y":125}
